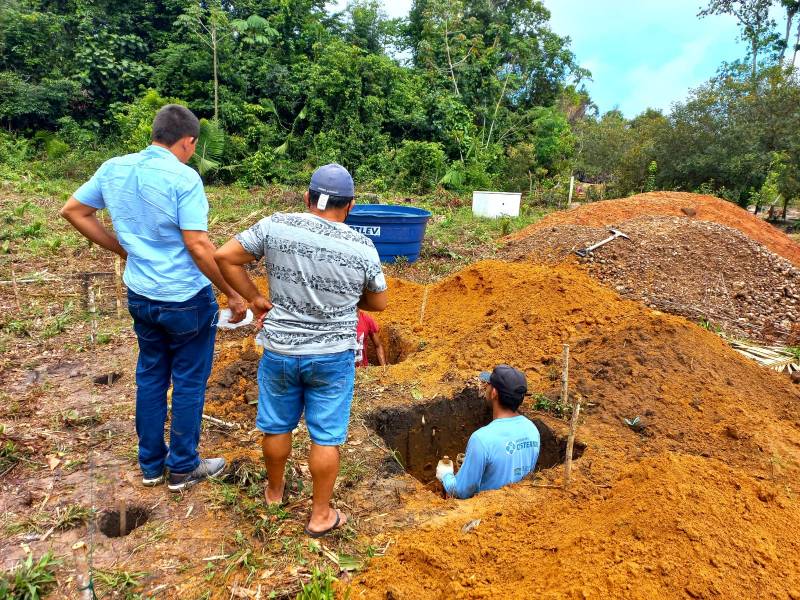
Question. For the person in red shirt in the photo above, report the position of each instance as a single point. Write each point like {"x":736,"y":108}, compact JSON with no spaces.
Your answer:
{"x":368,"y":328}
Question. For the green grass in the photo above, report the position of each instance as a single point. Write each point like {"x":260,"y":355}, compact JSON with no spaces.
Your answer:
{"x":320,"y":587}
{"x":10,"y":455}
{"x":351,"y":471}
{"x":119,"y":582}
{"x":30,"y":580}
{"x":61,"y":519}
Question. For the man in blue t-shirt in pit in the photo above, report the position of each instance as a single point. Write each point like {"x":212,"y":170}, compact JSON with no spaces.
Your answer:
{"x":502,"y":452}
{"x":160,"y":216}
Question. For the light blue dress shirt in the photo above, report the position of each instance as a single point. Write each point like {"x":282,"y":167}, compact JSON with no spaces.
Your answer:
{"x":502,"y":452}
{"x":151,"y":197}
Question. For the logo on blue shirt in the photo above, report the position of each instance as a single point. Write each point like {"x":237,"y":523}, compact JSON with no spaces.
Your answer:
{"x":512,"y":446}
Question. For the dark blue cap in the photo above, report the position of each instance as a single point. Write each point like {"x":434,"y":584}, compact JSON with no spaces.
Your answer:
{"x":333,"y":180}
{"x":508,"y":381}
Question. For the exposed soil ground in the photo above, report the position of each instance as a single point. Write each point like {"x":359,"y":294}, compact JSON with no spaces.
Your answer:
{"x":703,"y":409}
{"x":694,"y":504}
{"x":699,"y":499}
{"x":698,"y":269}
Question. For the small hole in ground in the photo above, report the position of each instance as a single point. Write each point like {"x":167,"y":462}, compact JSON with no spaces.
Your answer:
{"x":135,"y":516}
{"x":422,"y":433}
{"x":398,"y":345}
{"x":107,"y":378}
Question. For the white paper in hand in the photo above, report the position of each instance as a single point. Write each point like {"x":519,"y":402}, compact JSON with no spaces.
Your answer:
{"x":225,"y":318}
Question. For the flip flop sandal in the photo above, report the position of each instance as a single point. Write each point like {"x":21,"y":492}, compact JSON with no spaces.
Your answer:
{"x":336,"y":525}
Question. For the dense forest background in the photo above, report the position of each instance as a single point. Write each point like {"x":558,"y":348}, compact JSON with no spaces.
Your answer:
{"x":461,"y":94}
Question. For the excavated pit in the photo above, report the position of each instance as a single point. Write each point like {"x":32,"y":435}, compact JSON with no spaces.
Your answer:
{"x":423,"y":433}
{"x":398,"y":344}
{"x":135,"y":516}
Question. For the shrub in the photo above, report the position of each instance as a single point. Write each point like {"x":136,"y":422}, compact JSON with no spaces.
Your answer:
{"x":258,"y":168}
{"x":420,"y":165}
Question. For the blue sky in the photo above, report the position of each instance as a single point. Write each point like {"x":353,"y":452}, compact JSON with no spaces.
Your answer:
{"x":642,"y":53}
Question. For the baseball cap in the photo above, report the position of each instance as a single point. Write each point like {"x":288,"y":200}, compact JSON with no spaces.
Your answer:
{"x":334,"y":180}
{"x":508,"y":381}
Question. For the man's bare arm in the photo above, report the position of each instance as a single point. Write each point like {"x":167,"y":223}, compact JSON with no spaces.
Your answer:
{"x":84,"y":218}
{"x":231,"y":258}
{"x":202,"y":250}
{"x":373,"y":301}
{"x":376,"y":339}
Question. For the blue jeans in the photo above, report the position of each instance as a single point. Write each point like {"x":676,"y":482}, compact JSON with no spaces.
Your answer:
{"x":320,"y":383}
{"x":176,"y":343}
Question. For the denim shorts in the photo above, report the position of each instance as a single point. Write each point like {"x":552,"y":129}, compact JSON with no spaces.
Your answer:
{"x":322,"y":384}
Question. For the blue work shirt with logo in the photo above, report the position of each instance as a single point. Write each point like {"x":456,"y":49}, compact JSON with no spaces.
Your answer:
{"x":151,"y":197}
{"x":502,"y":452}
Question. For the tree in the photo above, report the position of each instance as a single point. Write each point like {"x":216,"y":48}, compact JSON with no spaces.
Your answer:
{"x":753,"y":17}
{"x":792,"y":7}
{"x":212,"y":26}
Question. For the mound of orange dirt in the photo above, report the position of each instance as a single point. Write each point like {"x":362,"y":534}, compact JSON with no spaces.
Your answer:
{"x":684,"y":382}
{"x":706,"y":208}
{"x":664,"y":511}
{"x":699,"y":500}
{"x":667,"y":527}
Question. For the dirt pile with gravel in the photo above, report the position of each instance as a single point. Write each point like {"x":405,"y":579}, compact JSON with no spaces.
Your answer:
{"x":699,"y":499}
{"x":698,"y":269}
{"x":673,"y":204}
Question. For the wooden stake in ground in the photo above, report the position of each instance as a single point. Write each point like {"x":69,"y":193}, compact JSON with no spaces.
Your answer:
{"x":576,"y":409}
{"x":424,"y":304}
{"x":122,"y":505}
{"x":118,"y":283}
{"x":573,"y":427}
{"x":565,"y":376}
{"x":92,"y":311}
{"x":14,"y":285}
{"x":82,"y":577}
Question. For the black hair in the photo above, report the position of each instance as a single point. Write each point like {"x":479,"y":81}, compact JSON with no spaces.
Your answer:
{"x":174,"y":122}
{"x":333,"y":201}
{"x":509,"y":402}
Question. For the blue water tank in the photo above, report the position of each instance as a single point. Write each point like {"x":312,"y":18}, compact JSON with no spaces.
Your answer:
{"x":395,"y":230}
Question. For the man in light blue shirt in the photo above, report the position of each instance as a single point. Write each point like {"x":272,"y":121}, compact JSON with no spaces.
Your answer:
{"x":502,"y":452}
{"x":160,"y":215}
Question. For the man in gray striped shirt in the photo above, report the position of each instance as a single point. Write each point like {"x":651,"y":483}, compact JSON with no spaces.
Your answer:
{"x":320,"y":273}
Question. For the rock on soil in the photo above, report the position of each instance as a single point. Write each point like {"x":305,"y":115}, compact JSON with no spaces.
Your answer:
{"x":701,"y":270}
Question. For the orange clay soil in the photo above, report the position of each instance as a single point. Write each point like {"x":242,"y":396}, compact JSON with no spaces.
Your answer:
{"x":701,"y":502}
{"x":707,"y":208}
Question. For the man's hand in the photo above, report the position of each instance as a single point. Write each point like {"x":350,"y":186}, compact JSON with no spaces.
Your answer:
{"x":443,"y":468}
{"x":238,"y":307}
{"x":261,"y":306}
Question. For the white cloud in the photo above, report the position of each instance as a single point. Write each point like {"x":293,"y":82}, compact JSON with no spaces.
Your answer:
{"x":660,"y":86}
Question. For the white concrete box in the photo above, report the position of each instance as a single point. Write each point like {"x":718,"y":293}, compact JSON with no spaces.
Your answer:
{"x":495,"y":204}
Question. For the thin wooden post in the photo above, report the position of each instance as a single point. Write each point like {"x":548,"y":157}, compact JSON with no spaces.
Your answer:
{"x":122,"y":504}
{"x":118,"y":284}
{"x":82,"y":577}
{"x":424,"y":304}
{"x":565,"y":376}
{"x":92,"y":306}
{"x":14,"y":285}
{"x":573,"y":427}
{"x":571,"y":187}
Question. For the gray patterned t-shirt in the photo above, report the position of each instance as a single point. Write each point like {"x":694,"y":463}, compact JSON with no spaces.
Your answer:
{"x":317,"y":270}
